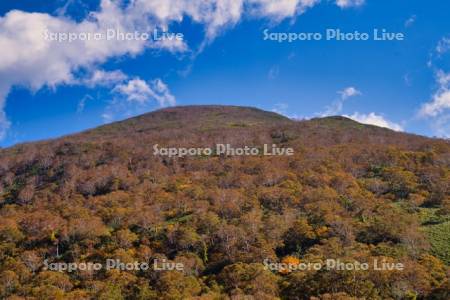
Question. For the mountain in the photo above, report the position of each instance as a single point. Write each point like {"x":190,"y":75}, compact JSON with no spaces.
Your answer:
{"x":229,"y":120}
{"x":374,"y":202}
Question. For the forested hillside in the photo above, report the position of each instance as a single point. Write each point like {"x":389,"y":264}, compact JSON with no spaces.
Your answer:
{"x":351,"y":192}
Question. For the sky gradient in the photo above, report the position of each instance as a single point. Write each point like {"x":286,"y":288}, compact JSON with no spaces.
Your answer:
{"x":50,"y":88}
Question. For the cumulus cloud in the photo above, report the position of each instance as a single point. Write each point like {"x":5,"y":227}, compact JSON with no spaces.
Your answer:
{"x":374,"y":119}
{"x":440,"y":101}
{"x":138,"y":90}
{"x":349,"y":3}
{"x":135,"y":90}
{"x":137,"y":96}
{"x":123,"y":89}
{"x":336,"y":107}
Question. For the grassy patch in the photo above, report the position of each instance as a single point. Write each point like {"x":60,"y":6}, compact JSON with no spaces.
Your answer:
{"x":437,"y":229}
{"x":439,"y":237}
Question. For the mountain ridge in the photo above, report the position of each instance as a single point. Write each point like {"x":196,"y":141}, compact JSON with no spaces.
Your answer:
{"x":216,"y":117}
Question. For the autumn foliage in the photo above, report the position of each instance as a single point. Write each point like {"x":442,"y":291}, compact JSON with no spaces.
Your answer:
{"x":350,"y":192}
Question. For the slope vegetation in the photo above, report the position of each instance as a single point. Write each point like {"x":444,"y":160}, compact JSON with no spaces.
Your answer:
{"x":350,"y":193}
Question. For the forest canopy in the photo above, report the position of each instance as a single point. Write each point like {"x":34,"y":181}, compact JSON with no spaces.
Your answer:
{"x":350,"y":192}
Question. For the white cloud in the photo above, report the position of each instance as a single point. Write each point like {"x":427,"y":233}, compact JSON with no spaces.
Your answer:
{"x":441,"y":126}
{"x":443,"y":46}
{"x":137,"y":96}
{"x":131,"y":90}
{"x":162,"y":93}
{"x":134,"y":91}
{"x":137,"y":90}
{"x":280,"y":108}
{"x":349,"y":3}
{"x":108,"y":116}
{"x":82,"y":103}
{"x":443,"y":78}
{"x":336,"y":107}
{"x":374,"y":119}
{"x":440,"y":101}
{"x":213,"y":14}
{"x":437,"y":109}
{"x":104,"y":78}
{"x":410,"y":21}
{"x":280,"y":9}
{"x":349,"y":92}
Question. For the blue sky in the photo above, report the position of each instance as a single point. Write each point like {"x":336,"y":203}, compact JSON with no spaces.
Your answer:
{"x":50,"y":88}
